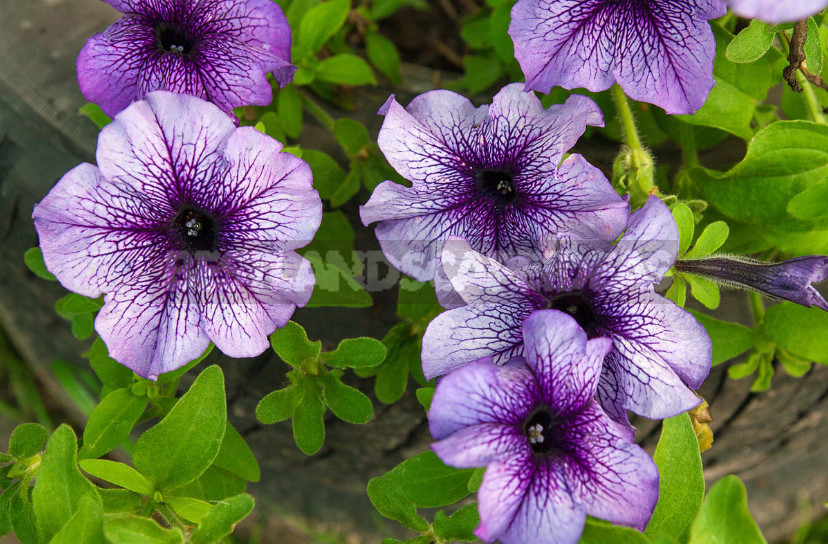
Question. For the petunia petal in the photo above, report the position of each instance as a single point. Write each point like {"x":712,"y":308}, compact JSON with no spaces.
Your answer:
{"x":478,"y":445}
{"x":504,"y":490}
{"x":777,"y":11}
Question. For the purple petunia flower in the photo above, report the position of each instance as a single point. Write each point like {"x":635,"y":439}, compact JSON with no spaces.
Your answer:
{"x":492,"y":175}
{"x":552,"y":454}
{"x":657,"y":346}
{"x":659,"y":51}
{"x":188,"y":226}
{"x":777,"y":11}
{"x":789,"y":280}
{"x":218,"y":50}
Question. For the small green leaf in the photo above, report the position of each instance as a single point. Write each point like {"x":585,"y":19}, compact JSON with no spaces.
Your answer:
{"x":5,"y":505}
{"x":118,"y":500}
{"x":724,"y":516}
{"x":711,"y":239}
{"x":345,"y":69}
{"x":34,"y":261}
{"x":321,"y":22}
{"x":729,"y":339}
{"x":235,"y":456}
{"x":794,"y":366}
{"x":356,"y":352}
{"x":85,"y":527}
{"x":222,"y":519}
{"x":799,"y":330}
{"x":765,"y":373}
{"x":27,"y":439}
{"x":813,"y":48}
{"x":681,"y":482}
{"x":499,"y":32}
{"x":403,"y":351}
{"x":415,"y":300}
{"x":214,"y":485}
{"x":686,"y":225}
{"x":111,"y":422}
{"x":346,"y":403}
{"x":290,"y":109}
{"x":191,"y":509}
{"x":384,"y":55}
{"x":390,"y":500}
{"x":346,"y":191}
{"x":111,"y":373}
{"x":424,"y":395}
{"x":132,"y":529}
{"x":74,"y":304}
{"x":96,"y":114}
{"x":22,"y":516}
{"x":458,"y":526}
{"x":327,"y":174}
{"x":677,"y":291}
{"x":335,"y":286}
{"x":748,"y":367}
{"x":279,"y":405}
{"x":604,"y":533}
{"x":351,"y":135}
{"x":291,"y":344}
{"x":308,"y":423}
{"x":83,"y":326}
{"x":59,"y":486}
{"x":118,"y":474}
{"x":430,"y":483}
{"x":704,"y":290}
{"x":751,"y":43}
{"x":181,"y":446}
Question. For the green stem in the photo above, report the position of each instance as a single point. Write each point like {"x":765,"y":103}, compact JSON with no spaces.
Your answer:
{"x":811,"y":99}
{"x":625,"y":115}
{"x":171,"y":517}
{"x":689,"y":153}
{"x":317,"y":111}
{"x":757,"y":307}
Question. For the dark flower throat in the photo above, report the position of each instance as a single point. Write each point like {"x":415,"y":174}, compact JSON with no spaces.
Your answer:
{"x":497,"y":184}
{"x":539,"y":430}
{"x":171,"y":40}
{"x":196,"y":230}
{"x":579,"y":307}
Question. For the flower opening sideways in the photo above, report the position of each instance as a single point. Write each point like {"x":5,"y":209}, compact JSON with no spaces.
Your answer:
{"x":188,"y":225}
{"x":218,"y":50}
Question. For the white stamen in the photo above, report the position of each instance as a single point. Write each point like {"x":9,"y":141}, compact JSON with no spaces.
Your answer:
{"x":193,"y":226}
{"x":177,"y":48}
{"x":504,"y":187}
{"x":535,"y":434}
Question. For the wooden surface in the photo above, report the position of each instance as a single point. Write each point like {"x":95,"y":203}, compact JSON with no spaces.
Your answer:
{"x":775,"y":441}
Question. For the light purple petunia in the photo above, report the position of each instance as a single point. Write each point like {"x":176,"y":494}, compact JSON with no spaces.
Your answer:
{"x":493,"y":175}
{"x":658,"y":349}
{"x":552,"y":454}
{"x":789,"y":280}
{"x":658,"y":51}
{"x":188,"y":225}
{"x":218,"y":50}
{"x":777,"y":11}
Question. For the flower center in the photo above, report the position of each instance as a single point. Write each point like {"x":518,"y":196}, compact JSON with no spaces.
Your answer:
{"x":539,"y":429}
{"x":197,"y":230}
{"x":167,"y":38}
{"x":578,"y":306}
{"x":498,"y":184}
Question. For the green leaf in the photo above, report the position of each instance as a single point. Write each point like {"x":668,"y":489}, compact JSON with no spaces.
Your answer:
{"x":308,"y":423}
{"x":390,"y":500}
{"x":813,"y":48}
{"x":748,"y":367}
{"x":346,"y":403}
{"x":321,"y":22}
{"x":289,"y":107}
{"x":85,"y":527}
{"x":681,"y":482}
{"x":729,"y":339}
{"x":765,"y":373}
{"x":356,"y":352}
{"x":27,"y":439}
{"x":191,"y":509}
{"x":430,"y":483}
{"x":214,"y":485}
{"x":751,"y":43}
{"x":346,"y":191}
{"x":291,"y":344}
{"x":677,"y":291}
{"x":475,"y":32}
{"x":83,"y":326}
{"x":279,"y":405}
{"x":604,"y":533}
{"x":117,"y":500}
{"x":327,"y":174}
{"x":480,"y":73}
{"x":181,"y":446}
{"x":415,"y":300}
{"x":22,"y":519}
{"x":799,"y":330}
{"x":96,"y":114}
{"x":111,"y":373}
{"x":235,"y":456}
{"x":794,"y":366}
{"x":686,"y":225}
{"x":499,"y":31}
{"x":221,"y":520}
{"x":351,"y":135}
{"x":711,"y":239}
{"x":424,"y":396}
{"x":111,"y":422}
{"x":74,"y":304}
{"x":59,"y":486}
{"x":810,"y":203}
{"x":132,"y":529}
{"x":458,"y":526}
{"x":345,"y":69}
{"x":704,"y":290}
{"x":34,"y":261}
{"x":335,"y":286}
{"x":724,"y":516}
{"x":119,"y":474}
{"x":384,"y":55}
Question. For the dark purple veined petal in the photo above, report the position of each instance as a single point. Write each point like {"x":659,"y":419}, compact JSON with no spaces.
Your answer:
{"x":659,"y":51}
{"x":777,"y":11}
{"x":218,"y":50}
{"x":789,"y":280}
{"x":188,"y":226}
